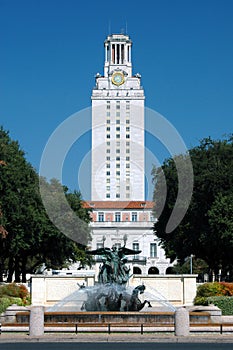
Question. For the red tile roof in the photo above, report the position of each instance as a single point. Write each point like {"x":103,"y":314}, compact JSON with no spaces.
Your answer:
{"x":118,"y":204}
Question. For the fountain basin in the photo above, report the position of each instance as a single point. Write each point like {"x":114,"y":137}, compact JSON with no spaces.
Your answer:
{"x":113,"y":317}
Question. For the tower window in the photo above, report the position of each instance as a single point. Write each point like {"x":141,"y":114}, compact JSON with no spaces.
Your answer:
{"x":118,"y":113}
{"x":108,"y":114}
{"x":117,"y":217}
{"x":118,"y":150}
{"x":127,"y":136}
{"x":107,"y":150}
{"x":128,"y":158}
{"x":118,"y":128}
{"x":117,"y":136}
{"x":108,"y":173}
{"x":108,"y":128}
{"x":118,"y":121}
{"x":118,"y":173}
{"x":108,"y":136}
{"x":118,"y":195}
{"x":108,"y":165}
{"x":107,"y":195}
{"x":127,"y":165}
{"x":118,"y":165}
{"x":127,"y":128}
{"x":135,"y":246}
{"x":127,"y":121}
{"x":134,"y":217}
{"x":108,"y":121}
{"x":108,"y":158}
{"x":153,"y":250}
{"x":101,"y":217}
{"x":118,"y":158}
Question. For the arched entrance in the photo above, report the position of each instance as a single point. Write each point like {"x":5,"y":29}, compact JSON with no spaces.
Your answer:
{"x":170,"y":271}
{"x":137,"y":270}
{"x":153,"y":271}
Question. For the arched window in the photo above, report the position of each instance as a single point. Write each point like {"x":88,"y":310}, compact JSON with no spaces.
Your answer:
{"x":170,"y":271}
{"x":137,"y":270}
{"x":153,"y":271}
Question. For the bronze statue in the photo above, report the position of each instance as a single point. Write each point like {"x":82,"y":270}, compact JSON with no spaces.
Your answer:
{"x":110,"y":294}
{"x":114,"y":269}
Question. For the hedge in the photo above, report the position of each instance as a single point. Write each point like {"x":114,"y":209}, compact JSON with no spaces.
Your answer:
{"x":217,"y":293}
{"x":7,"y":301}
{"x":12,"y":293}
{"x":224,"y":303}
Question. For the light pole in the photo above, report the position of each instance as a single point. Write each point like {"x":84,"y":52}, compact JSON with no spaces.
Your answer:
{"x":191,"y":264}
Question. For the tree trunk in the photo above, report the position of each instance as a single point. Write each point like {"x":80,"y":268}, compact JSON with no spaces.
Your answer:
{"x":1,"y":271}
{"x":17,"y":270}
{"x":23,"y":269}
{"x":10,"y":270}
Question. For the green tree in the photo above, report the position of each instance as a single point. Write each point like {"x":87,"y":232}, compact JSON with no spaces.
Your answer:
{"x":201,"y":231}
{"x":32,"y":238}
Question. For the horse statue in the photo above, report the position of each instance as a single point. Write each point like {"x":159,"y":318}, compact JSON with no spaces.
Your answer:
{"x":132,"y":302}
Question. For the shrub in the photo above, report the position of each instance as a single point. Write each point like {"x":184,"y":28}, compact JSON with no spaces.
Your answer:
{"x":227,"y":288}
{"x":218,"y":293}
{"x":200,"y":301}
{"x":4,"y":303}
{"x":210,"y":289}
{"x":14,"y":290}
{"x":224,"y":303}
{"x":15,"y":294}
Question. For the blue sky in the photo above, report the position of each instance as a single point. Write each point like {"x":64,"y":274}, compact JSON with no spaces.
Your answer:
{"x":51,"y":50}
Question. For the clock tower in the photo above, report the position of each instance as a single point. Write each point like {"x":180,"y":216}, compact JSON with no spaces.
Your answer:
{"x":118,"y":126}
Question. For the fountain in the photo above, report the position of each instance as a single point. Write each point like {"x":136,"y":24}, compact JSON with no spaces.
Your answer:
{"x":110,"y":299}
{"x":110,"y":293}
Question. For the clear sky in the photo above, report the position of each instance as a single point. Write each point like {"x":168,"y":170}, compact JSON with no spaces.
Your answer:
{"x":51,"y":50}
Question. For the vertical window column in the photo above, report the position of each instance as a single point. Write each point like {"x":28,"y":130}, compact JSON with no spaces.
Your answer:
{"x":153,"y":250}
{"x":122,"y":54}
{"x":113,"y":53}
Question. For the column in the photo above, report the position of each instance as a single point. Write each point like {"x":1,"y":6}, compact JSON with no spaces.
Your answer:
{"x":36,"y":325}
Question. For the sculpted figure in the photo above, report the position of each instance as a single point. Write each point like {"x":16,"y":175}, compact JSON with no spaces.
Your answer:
{"x":114,"y":269}
{"x":111,"y":294}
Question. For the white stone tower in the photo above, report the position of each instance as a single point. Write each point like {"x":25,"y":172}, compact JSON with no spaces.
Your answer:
{"x":118,"y":127}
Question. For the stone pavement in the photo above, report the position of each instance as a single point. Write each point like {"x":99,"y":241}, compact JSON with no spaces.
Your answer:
{"x":117,"y":337}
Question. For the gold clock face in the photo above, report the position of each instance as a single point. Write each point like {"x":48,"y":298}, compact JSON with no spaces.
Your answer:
{"x":118,"y":78}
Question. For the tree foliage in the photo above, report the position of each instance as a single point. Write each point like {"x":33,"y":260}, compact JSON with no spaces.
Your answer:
{"x":206,"y":231}
{"x":28,"y":237}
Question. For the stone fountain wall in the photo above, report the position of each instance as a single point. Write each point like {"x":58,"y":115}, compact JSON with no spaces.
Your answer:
{"x":176,"y":289}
